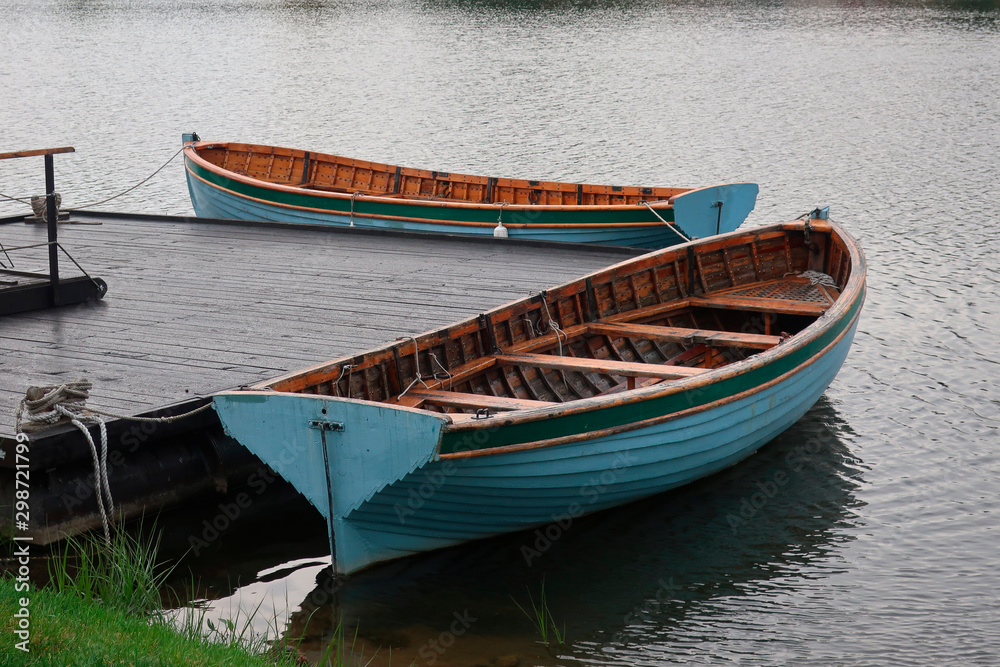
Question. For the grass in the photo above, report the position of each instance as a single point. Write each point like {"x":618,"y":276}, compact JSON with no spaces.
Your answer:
{"x":104,"y":606}
{"x":541,"y":617}
{"x":124,"y":573}
{"x":67,"y":629}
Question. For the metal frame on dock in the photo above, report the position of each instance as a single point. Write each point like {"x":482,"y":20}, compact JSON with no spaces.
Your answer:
{"x":47,"y":290}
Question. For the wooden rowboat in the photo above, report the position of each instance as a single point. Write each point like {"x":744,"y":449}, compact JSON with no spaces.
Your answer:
{"x":251,"y":182}
{"x":622,"y":384}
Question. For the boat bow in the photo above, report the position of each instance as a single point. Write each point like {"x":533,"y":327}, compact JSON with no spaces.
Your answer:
{"x":337,"y":452}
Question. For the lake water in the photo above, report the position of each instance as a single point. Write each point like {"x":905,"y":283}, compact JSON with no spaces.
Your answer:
{"x":883,"y":546}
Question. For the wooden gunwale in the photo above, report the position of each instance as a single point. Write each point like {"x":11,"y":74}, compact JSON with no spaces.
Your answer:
{"x":653,"y":195}
{"x":662,"y":205}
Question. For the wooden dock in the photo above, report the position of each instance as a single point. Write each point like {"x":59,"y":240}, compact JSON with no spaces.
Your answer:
{"x":196,"y":306}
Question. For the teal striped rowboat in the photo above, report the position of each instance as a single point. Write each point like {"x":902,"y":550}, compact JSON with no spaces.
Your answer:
{"x":622,"y":384}
{"x":253,"y":182}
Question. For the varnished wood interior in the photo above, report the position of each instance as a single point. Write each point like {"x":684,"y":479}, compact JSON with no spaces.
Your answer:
{"x":332,"y":173}
{"x":660,"y":318}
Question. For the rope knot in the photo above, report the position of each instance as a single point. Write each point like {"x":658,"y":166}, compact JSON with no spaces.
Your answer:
{"x":40,"y":407}
{"x":44,"y":407}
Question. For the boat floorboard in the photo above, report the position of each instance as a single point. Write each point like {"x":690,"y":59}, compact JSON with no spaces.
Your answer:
{"x":195,"y":307}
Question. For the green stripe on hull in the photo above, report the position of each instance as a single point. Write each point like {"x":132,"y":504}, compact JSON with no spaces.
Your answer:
{"x":486,"y":214}
{"x":637,"y":411}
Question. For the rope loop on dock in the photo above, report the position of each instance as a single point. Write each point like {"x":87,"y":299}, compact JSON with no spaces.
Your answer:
{"x":37,"y":410}
{"x":44,"y":407}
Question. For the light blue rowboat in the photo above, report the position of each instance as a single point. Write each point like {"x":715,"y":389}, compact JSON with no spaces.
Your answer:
{"x":622,"y":384}
{"x":268,"y":183}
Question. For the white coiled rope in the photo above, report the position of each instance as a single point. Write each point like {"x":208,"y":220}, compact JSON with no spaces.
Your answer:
{"x":45,"y":407}
{"x":819,"y":278}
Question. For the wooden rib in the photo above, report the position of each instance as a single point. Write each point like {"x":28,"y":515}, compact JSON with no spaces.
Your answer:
{"x":613,"y":349}
{"x":551,"y":387}
{"x":685,"y":335}
{"x":756,"y":261}
{"x":781,"y":306}
{"x":679,"y":280}
{"x":527,"y":385}
{"x":631,"y":344}
{"x":508,"y":385}
{"x":622,"y":368}
{"x":458,"y":400}
{"x":831,"y":293}
{"x":729,"y":269}
{"x":701,"y":272}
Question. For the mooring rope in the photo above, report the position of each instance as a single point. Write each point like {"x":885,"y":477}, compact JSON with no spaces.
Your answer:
{"x":336,"y":383}
{"x":674,"y":227}
{"x":102,"y":488}
{"x":125,"y":192}
{"x":27,"y":200}
{"x":44,"y":407}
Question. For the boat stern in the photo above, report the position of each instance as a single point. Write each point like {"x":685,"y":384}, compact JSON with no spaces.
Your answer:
{"x":717,"y":209}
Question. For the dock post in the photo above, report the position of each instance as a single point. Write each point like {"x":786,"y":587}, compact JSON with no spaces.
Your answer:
{"x":53,"y":221}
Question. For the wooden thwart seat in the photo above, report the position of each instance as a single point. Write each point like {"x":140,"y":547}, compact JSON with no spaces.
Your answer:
{"x":686,"y":336}
{"x":780,"y":306}
{"x":459,"y":400}
{"x":622,"y":368}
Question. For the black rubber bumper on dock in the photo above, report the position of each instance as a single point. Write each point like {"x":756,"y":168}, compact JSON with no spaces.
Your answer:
{"x":38,"y":295}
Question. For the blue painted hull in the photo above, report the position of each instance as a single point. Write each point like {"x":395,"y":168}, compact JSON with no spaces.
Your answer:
{"x":210,"y":202}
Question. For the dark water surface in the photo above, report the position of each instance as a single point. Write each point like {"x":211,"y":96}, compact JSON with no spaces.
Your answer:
{"x":882,"y":546}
